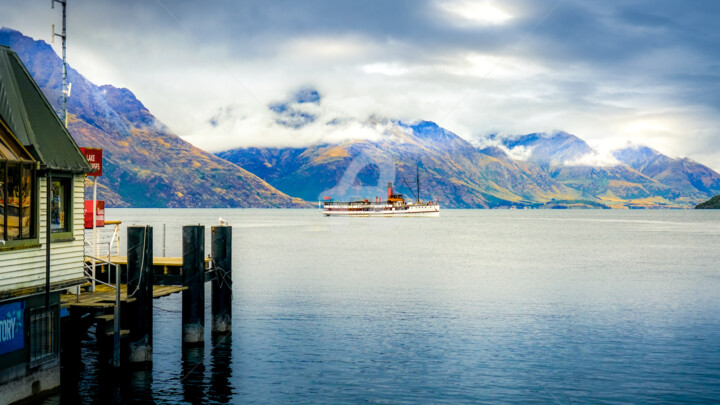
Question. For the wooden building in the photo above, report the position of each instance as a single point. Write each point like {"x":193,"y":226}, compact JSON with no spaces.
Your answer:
{"x":41,"y":254}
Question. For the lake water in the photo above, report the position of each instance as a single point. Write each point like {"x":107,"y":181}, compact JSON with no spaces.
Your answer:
{"x":476,"y":306}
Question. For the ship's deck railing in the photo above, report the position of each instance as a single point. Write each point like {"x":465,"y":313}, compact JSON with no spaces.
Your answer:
{"x":371,"y":204}
{"x":353,"y":203}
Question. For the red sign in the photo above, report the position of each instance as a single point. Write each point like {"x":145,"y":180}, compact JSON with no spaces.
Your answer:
{"x":99,"y":214}
{"x":94,"y":157}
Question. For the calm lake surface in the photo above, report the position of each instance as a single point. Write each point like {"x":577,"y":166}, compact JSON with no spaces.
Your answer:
{"x":476,"y":306}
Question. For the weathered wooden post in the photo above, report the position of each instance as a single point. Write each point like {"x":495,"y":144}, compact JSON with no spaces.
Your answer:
{"x":222,"y":284}
{"x":193,"y":275}
{"x":139,"y":286}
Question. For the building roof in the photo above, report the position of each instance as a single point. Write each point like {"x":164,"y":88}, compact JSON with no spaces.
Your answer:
{"x":31,"y":118}
{"x":10,"y":147}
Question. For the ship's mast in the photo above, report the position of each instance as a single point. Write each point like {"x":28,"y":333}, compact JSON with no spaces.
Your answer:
{"x":417,"y":168}
{"x":65,"y":91}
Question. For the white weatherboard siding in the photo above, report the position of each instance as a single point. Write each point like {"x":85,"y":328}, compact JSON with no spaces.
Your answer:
{"x":25,"y":268}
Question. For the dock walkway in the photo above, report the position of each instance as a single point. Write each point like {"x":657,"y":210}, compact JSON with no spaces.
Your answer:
{"x":104,"y":296}
{"x":161,"y":265}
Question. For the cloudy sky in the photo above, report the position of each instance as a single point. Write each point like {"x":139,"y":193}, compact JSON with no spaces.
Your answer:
{"x":611,"y":72}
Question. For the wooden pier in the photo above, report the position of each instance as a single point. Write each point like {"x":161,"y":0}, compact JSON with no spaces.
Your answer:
{"x":167,"y":271}
{"x":123,"y":322}
{"x":163,"y":264}
{"x":104,"y":296}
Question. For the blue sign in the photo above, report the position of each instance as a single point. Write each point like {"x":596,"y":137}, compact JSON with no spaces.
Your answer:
{"x":12,"y":330}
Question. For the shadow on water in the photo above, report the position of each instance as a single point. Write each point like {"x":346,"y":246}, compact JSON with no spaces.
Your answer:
{"x":92,"y":382}
{"x":96,"y":383}
{"x":199,"y":374}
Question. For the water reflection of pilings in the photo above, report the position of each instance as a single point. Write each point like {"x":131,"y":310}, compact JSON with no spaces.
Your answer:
{"x":193,"y":373}
{"x":121,"y":386}
{"x":139,"y":386}
{"x":221,"y":361}
{"x":196,"y":389}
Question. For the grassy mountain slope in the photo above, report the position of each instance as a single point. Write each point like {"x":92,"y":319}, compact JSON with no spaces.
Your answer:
{"x":569,"y":160}
{"x":687,"y":177}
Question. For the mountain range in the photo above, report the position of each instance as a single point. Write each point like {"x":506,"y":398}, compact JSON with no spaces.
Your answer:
{"x":555,"y":170}
{"x":147,"y":165}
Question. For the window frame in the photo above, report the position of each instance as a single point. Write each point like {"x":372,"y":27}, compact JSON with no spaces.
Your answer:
{"x":17,"y":154}
{"x":67,"y":234}
{"x":32,"y":240}
{"x":43,"y":334}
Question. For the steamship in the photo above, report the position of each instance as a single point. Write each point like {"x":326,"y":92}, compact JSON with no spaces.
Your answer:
{"x":395,"y":205}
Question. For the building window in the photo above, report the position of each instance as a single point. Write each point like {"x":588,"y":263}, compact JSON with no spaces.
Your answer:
{"x":43,"y":335}
{"x":17,"y":200}
{"x":60,"y":208}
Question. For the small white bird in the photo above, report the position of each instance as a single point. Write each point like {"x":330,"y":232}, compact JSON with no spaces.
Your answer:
{"x":223,"y":222}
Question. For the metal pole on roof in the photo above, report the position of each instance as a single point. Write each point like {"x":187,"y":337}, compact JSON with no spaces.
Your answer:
{"x":65,"y":90}
{"x":48,"y":230}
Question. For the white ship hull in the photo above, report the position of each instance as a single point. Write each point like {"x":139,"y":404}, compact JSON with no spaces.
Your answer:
{"x":380,"y":210}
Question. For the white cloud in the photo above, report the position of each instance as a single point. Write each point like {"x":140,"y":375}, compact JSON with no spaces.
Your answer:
{"x":236,"y":127}
{"x":388,"y":69}
{"x":475,"y":12}
{"x":519,"y":152}
{"x":496,"y":67}
{"x":320,"y":47}
{"x":594,"y":159}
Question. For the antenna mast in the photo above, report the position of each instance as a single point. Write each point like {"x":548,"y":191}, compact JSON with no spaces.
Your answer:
{"x":65,"y":91}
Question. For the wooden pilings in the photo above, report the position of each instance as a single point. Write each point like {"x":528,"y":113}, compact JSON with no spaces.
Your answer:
{"x":193,"y":275}
{"x":136,"y":299}
{"x":140,"y":288}
{"x":222,"y":283}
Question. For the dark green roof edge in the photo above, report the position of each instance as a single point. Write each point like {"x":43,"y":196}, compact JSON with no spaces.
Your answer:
{"x":34,"y":121}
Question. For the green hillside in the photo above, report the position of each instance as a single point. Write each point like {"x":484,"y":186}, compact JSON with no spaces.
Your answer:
{"x":713,"y":203}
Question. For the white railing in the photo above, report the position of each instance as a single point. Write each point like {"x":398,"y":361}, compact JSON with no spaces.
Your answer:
{"x":108,"y":240}
{"x":88,"y":269}
{"x":101,"y":242}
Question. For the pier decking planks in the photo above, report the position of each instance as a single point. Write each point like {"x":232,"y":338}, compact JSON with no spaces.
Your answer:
{"x":104,"y":296}
{"x":157,"y":261}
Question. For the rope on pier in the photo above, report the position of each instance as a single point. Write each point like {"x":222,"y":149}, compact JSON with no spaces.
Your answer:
{"x":223,"y":276}
{"x":142,"y":262}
